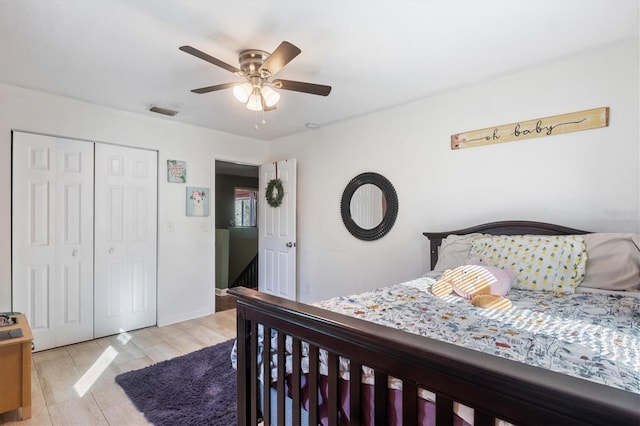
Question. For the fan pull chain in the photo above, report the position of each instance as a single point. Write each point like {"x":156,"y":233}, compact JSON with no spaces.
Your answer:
{"x":255,"y":126}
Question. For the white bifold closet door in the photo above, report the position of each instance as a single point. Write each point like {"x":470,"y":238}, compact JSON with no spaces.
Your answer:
{"x":125,"y":239}
{"x":52,"y":237}
{"x":84,"y":230}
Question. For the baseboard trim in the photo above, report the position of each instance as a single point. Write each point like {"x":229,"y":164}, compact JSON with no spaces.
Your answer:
{"x":186,"y":317}
{"x":221,"y":291}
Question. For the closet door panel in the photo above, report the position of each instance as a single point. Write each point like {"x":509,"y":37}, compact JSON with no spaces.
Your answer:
{"x":72,"y":293}
{"x":52,"y":241}
{"x":114,"y":289}
{"x":39,"y":214}
{"x":74,"y":241}
{"x":33,"y":232}
{"x":114,"y":215}
{"x":143,"y":243}
{"x":139,"y":295}
{"x":111,"y":269}
{"x":142,"y":246}
{"x":37,"y":296}
{"x":126,"y":188}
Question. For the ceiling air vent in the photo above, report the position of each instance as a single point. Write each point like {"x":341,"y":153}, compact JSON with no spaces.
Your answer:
{"x":164,"y":111}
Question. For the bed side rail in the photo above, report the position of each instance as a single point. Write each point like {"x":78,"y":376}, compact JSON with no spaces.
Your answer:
{"x":493,"y":386}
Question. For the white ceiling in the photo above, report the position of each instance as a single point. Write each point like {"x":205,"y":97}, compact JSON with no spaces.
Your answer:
{"x":375,"y":54}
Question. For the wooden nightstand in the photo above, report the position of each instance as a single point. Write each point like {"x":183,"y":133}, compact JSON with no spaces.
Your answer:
{"x":15,"y":368}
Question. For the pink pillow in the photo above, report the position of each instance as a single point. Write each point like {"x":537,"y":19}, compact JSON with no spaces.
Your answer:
{"x":503,"y":277}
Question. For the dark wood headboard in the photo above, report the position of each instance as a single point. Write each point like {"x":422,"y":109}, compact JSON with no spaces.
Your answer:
{"x":508,"y":227}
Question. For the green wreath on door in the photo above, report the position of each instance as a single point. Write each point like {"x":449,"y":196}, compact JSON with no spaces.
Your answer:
{"x":274,"y":192}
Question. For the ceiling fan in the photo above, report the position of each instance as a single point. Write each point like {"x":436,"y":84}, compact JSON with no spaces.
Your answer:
{"x":257,"y":67}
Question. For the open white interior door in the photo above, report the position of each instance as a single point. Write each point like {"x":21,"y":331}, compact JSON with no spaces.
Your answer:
{"x":277,"y":233}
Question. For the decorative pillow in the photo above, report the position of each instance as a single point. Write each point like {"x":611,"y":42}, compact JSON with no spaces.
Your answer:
{"x":614,"y":261}
{"x":484,"y":285}
{"x":502,"y":278}
{"x":540,"y":262}
{"x":454,"y":251}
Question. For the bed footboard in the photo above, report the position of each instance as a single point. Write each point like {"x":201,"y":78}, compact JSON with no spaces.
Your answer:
{"x":494,"y":387}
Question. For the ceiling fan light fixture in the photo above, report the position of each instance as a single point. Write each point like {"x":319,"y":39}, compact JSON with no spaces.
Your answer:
{"x":271,"y":97}
{"x":255,"y":101}
{"x":242,"y":92}
{"x":257,"y":67}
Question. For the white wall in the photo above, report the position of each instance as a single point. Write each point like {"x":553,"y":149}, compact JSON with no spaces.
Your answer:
{"x":186,"y":256}
{"x":585,"y":179}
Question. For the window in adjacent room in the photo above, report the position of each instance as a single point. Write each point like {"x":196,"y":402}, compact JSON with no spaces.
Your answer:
{"x":246,"y":203}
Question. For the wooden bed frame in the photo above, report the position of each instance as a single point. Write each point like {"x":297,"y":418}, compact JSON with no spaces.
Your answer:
{"x":495,"y":387}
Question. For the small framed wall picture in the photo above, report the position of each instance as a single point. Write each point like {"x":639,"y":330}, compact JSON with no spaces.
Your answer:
{"x":176,"y":171}
{"x":197,"y":201}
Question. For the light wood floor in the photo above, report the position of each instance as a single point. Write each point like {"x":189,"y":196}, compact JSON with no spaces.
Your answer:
{"x":63,"y":393}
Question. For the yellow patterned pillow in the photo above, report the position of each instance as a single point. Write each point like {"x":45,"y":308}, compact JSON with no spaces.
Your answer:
{"x":540,"y":262}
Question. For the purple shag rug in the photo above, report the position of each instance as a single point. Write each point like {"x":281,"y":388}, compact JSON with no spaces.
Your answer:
{"x":194,"y":389}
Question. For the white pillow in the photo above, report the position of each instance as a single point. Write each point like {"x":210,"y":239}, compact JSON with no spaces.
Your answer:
{"x":613,"y":261}
{"x":454,"y":251}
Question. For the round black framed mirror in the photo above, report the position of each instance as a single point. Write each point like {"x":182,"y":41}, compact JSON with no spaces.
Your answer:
{"x":369,"y":206}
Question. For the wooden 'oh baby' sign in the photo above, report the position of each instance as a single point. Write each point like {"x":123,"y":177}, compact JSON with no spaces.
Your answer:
{"x":555,"y":125}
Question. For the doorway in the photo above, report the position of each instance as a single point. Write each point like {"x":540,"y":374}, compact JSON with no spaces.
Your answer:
{"x":236,"y":233}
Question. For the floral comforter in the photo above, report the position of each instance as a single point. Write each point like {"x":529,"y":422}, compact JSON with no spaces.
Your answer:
{"x":590,"y":336}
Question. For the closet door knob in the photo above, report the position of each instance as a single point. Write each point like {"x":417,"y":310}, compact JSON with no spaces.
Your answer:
{"x":74,"y":253}
{"x":112,"y":250}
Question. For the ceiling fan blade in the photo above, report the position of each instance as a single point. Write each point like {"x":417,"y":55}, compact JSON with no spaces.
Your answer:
{"x":198,"y":54}
{"x":213,"y":88}
{"x":299,"y":86}
{"x":280,"y":57}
